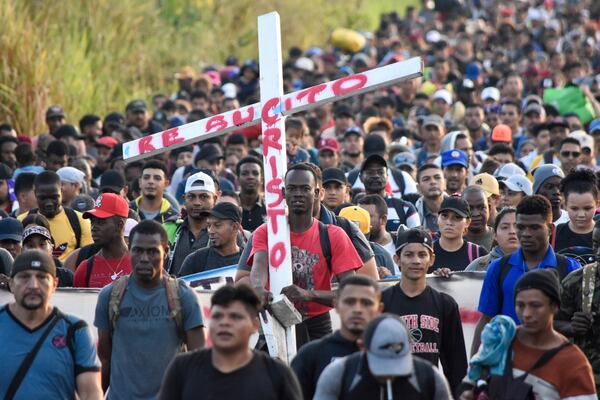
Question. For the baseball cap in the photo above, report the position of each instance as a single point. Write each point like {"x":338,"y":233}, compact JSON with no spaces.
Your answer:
{"x":373,"y":158}
{"x":67,"y":130}
{"x":54,"y":111}
{"x":544,"y":172}
{"x":456,"y":204}
{"x":186,"y":72}
{"x":586,"y":141}
{"x":200,"y":182}
{"x":209,"y":152}
{"x":354,"y":130}
{"x":11,"y":229}
{"x":331,"y":144}
{"x":414,"y":235}
{"x":488,"y":183}
{"x":136,"y":106}
{"x":334,"y":175}
{"x":225,"y":210}
{"x":594,"y":126}
{"x":358,"y":215}
{"x":518,"y":183}
{"x":454,"y":157}
{"x":534,"y":107}
{"x":112,"y":181}
{"x":558,"y":121}
{"x":37,"y":230}
{"x":71,"y":175}
{"x":508,"y":170}
{"x":433,"y":120}
{"x":305,"y":64}
{"x":388,"y":346}
{"x":374,"y":144}
{"x":130,"y":223}
{"x":443,"y":94}
{"x":502,"y":133}
{"x":472,"y":71}
{"x":405,"y":158}
{"x":490,"y":92}
{"x":33,"y":259}
{"x":109,"y":205}
{"x":82,"y":203}
{"x":107,"y":141}
{"x":466,"y":85}
{"x":342,"y":110}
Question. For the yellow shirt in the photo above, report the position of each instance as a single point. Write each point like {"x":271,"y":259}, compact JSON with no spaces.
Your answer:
{"x":65,"y":241}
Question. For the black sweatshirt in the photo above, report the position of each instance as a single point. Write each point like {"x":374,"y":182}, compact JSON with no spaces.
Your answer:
{"x":435,"y":328}
{"x":313,"y":357}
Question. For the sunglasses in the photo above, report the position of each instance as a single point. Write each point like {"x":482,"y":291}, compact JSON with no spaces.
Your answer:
{"x":570,"y":154}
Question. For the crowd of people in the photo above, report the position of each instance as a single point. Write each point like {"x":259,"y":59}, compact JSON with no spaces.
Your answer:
{"x":488,"y":163}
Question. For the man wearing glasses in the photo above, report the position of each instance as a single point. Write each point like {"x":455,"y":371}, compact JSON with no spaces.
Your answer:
{"x":570,"y":154}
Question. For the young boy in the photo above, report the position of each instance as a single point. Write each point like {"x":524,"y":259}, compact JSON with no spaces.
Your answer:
{"x":452,"y":251}
{"x":295,"y":130}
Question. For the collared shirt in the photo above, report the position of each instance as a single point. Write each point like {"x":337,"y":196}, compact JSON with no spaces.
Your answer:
{"x":489,"y":300}
{"x":253,"y":218}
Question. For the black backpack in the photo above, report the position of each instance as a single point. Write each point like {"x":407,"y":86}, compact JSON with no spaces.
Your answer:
{"x":73,"y":221}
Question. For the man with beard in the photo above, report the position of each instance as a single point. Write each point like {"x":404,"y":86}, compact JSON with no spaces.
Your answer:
{"x":352,"y":146}
{"x":250,"y":177}
{"x":138,"y":116}
{"x":152,"y":204}
{"x":474,"y":119}
{"x":357,"y":301}
{"x":546,"y":182}
{"x":311,"y":289}
{"x":479,"y":231}
{"x":68,"y":228}
{"x":373,"y":173}
{"x":223,"y":225}
{"x":190,"y":234}
{"x":63,"y":347}
{"x":455,"y":164}
{"x":432,"y":186}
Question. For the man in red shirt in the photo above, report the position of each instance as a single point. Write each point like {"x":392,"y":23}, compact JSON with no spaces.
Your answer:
{"x":108,"y":230}
{"x":311,"y":289}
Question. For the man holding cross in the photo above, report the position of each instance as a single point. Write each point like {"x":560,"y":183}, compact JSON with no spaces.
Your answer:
{"x":312,"y":270}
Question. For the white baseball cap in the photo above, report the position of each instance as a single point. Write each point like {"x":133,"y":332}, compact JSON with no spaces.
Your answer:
{"x":518,"y":183}
{"x":71,"y":175}
{"x":443,"y":94}
{"x":585,"y":140}
{"x":200,"y":182}
{"x":508,"y":170}
{"x":490,"y":92}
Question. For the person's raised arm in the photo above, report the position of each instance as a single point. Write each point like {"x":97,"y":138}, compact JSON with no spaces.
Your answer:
{"x":88,"y":386}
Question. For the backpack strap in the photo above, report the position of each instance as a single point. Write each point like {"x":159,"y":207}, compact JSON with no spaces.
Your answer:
{"x":75,"y":225}
{"x":116,"y":295}
{"x":561,"y":266}
{"x":588,"y":285}
{"x":425,"y":378}
{"x":470,"y":251}
{"x":174,"y":303}
{"x":88,"y":272}
{"x":553,"y":237}
{"x":399,"y":178}
{"x":325,"y":244}
{"x":504,"y":270}
{"x":545,"y":358}
{"x":352,"y":364}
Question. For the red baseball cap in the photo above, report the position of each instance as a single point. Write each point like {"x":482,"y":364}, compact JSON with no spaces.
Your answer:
{"x":329,"y":144}
{"x":108,"y":205}
{"x":502,"y":133}
{"x":106,"y":141}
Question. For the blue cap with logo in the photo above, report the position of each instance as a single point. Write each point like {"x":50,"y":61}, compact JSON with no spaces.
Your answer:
{"x":455,"y":157}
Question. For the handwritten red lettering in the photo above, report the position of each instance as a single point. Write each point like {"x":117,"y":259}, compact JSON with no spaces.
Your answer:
{"x":272,"y":214}
{"x":271,"y":137}
{"x":216,"y":123}
{"x":145,"y":145}
{"x":348,"y":84}
{"x":239,"y":120}
{"x":269,"y":104}
{"x":274,"y":187}
{"x":170,"y":137}
{"x":311,"y":93}
{"x":277,"y":255}
{"x":288,"y":103}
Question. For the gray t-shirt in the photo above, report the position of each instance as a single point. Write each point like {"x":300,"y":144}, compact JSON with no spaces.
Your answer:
{"x":145,"y":338}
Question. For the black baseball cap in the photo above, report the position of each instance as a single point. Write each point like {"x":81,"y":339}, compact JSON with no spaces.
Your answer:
{"x":225,"y":210}
{"x":11,"y":229}
{"x":456,"y":204}
{"x":209,"y":152}
{"x":111,"y":181}
{"x":334,"y":175}
{"x":374,"y":144}
{"x":354,"y":130}
{"x":136,"y":105}
{"x":414,"y":235}
{"x":55,"y":111}
{"x":343,"y":111}
{"x":373,"y":159}
{"x":67,"y":130}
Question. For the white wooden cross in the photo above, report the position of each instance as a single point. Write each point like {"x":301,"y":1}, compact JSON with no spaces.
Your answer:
{"x":271,"y":112}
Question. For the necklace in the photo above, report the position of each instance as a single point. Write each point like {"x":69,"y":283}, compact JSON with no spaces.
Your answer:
{"x":115,"y":272}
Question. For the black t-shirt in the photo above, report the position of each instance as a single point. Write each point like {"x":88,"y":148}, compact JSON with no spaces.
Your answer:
{"x":192,"y":376}
{"x":206,"y":259}
{"x":435,"y":328}
{"x":456,"y":260}
{"x":312,"y":359}
{"x":566,"y":238}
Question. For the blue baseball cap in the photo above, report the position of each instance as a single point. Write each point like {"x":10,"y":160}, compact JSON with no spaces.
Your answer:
{"x":455,"y":157}
{"x":594,"y":126}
